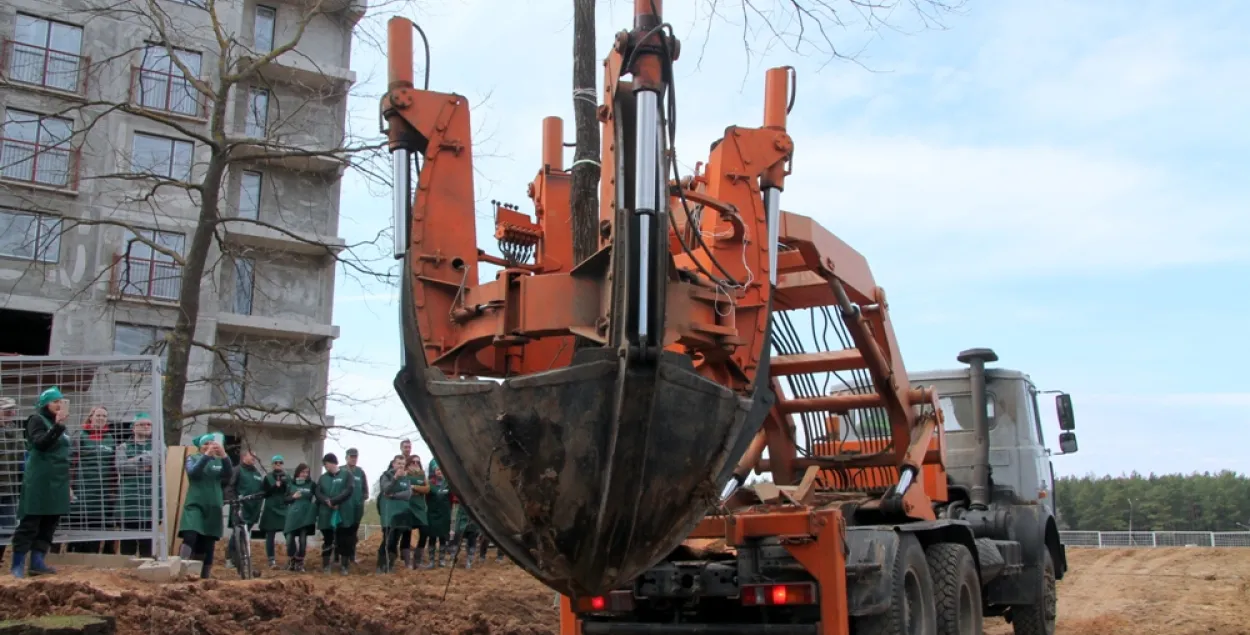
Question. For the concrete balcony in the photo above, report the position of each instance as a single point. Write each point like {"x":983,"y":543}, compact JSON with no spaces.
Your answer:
{"x":301,"y":69}
{"x":263,"y":418}
{"x":245,"y":232}
{"x":275,"y":327}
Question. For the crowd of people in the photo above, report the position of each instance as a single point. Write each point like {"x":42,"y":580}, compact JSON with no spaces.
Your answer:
{"x":96,"y":479}
{"x":100,"y":481}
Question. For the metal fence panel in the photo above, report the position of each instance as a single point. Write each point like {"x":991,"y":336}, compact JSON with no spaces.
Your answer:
{"x":1122,"y":539}
{"x":116,"y":476}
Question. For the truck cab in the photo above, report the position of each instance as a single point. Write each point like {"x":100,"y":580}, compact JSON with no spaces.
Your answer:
{"x":1020,"y":463}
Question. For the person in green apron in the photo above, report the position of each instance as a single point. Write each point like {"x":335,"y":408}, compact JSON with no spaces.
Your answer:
{"x":45,"y":493}
{"x":273,"y":516}
{"x":247,"y":480}
{"x":467,"y":532}
{"x":134,"y":461}
{"x":335,"y":511}
{"x":301,"y":516}
{"x":438,"y":502}
{"x":394,"y":492}
{"x":93,"y":478}
{"x":200,"y":526}
{"x":419,"y":508}
{"x":360,"y":493}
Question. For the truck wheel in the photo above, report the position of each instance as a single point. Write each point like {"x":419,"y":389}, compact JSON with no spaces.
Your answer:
{"x":911,"y":609}
{"x":956,"y":589}
{"x":1039,"y":619}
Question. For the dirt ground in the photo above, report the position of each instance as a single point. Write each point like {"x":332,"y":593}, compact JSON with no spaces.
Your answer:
{"x":1107,"y":592}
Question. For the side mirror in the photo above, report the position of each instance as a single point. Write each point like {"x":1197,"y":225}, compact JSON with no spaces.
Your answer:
{"x":1063,"y":407}
{"x":1067,"y":443}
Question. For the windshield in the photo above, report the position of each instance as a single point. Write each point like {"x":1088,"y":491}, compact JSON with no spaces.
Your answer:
{"x":957,"y":411}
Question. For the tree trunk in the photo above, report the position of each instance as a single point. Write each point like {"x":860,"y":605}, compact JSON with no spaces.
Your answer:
{"x":584,"y":190}
{"x":175,"y":381}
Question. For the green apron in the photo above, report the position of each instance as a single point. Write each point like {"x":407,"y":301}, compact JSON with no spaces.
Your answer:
{"x":302,"y":512}
{"x":417,"y":505}
{"x":45,"y":481}
{"x":358,"y":494}
{"x":439,"y":514}
{"x":273,"y":518}
{"x":395,"y":512}
{"x":330,"y":486}
{"x":135,"y":505}
{"x":202,"y":511}
{"x":464,"y":524}
{"x":250,"y":480}
{"x":93,"y":481}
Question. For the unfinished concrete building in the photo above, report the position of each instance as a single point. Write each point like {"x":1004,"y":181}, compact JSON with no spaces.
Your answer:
{"x":79,"y":178}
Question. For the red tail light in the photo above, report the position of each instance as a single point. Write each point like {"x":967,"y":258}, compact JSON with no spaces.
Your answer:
{"x":789,"y":594}
{"x":614,"y":602}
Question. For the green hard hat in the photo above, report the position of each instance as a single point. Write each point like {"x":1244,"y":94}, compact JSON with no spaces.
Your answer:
{"x":48,"y":396}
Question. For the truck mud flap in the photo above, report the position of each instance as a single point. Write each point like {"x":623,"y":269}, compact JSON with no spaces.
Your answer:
{"x":585,"y":475}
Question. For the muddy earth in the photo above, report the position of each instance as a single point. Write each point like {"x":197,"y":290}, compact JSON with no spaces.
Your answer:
{"x":1145,"y":592}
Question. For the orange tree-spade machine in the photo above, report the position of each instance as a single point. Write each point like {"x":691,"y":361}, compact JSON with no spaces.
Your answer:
{"x":600,"y":417}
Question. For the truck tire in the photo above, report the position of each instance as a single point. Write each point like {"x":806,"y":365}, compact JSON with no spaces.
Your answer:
{"x":911,"y":610}
{"x":956,"y":589}
{"x":1039,"y":619}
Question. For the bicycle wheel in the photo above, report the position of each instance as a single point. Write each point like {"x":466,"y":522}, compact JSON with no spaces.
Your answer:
{"x":242,"y":552}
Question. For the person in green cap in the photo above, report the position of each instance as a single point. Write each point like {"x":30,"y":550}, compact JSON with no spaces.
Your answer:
{"x":394,"y":492}
{"x":360,"y":493}
{"x":273,"y":517}
{"x":133,"y":461}
{"x":45,"y":493}
{"x":301,"y":516}
{"x":438,"y":502}
{"x":247,"y":480}
{"x":419,"y":508}
{"x":335,"y":511}
{"x":91,"y":472}
{"x":208,"y":472}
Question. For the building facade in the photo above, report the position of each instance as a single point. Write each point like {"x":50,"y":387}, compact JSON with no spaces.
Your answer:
{"x":103,"y":131}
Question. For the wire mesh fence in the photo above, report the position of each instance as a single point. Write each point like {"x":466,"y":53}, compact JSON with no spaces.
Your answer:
{"x":1110,"y":539}
{"x":115,"y":443}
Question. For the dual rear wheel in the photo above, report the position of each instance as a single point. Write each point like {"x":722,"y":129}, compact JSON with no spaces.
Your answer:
{"x":934,"y":591}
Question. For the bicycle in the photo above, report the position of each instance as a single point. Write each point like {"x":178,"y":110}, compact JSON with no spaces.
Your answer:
{"x":239,"y":534}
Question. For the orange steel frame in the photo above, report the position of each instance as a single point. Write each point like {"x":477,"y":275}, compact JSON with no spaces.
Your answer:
{"x":527,"y":318}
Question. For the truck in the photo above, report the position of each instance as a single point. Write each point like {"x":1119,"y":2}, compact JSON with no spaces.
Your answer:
{"x":599,"y":415}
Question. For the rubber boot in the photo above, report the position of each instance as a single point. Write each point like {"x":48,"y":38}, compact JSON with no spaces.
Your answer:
{"x":206,"y":572}
{"x":19,"y":564}
{"x":299,"y":565}
{"x":468,"y":563}
{"x":344,"y":563}
{"x":325,"y":563}
{"x":405,"y":556}
{"x":273,"y":563}
{"x":37,"y":566}
{"x":415,"y":559}
{"x":433,"y":553}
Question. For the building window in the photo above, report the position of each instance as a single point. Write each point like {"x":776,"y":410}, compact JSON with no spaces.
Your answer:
{"x":134,"y":339}
{"x":249,"y":194}
{"x":35,"y":149}
{"x":162,"y":85}
{"x":29,"y":236}
{"x":148,"y":272}
{"x":233,"y":386}
{"x":244,"y":283}
{"x":162,"y":156}
{"x":46,"y":53}
{"x":257,"y":121}
{"x":263,"y":29}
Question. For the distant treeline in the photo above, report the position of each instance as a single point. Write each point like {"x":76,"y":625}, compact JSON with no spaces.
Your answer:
{"x":1172,"y":502}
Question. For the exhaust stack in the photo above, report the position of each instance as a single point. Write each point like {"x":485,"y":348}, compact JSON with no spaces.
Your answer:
{"x":976,"y":359}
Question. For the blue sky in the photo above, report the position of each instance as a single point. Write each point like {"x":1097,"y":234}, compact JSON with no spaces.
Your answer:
{"x":1063,"y":183}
